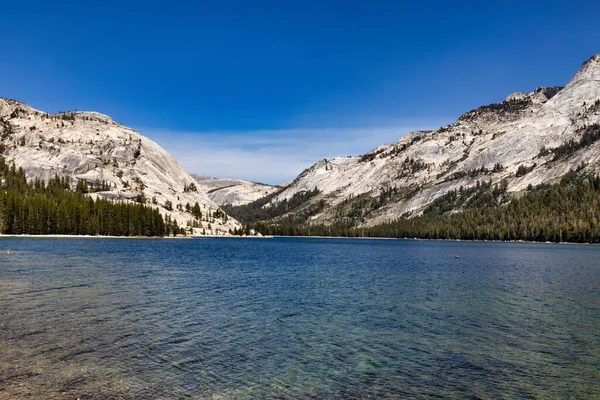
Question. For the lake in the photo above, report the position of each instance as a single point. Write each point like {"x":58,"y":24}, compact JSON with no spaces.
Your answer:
{"x":291,"y":318}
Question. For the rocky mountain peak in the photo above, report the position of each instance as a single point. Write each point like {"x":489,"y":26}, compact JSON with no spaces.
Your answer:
{"x":232,"y":191}
{"x":595,"y":59}
{"x":8,"y":106}
{"x":89,"y":116}
{"x":90,"y":147}
{"x":547,"y":92}
{"x":590,"y":69}
{"x":539,"y":96}
{"x":531,"y":138}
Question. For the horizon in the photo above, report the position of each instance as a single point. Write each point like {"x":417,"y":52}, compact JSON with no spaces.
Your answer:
{"x":261,"y":93}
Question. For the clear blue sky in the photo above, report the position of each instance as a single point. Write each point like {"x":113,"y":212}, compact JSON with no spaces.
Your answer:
{"x":239,"y":88}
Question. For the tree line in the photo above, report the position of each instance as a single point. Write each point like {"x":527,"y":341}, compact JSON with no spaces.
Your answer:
{"x":259,"y":210}
{"x":53,"y":207}
{"x":565,"y":212}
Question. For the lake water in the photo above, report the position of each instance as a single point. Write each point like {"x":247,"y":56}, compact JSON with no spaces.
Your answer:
{"x":297,"y":318}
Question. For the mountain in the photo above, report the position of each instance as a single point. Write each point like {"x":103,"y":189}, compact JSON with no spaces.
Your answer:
{"x":234,"y":192}
{"x":91,"y":147}
{"x":527,"y":140}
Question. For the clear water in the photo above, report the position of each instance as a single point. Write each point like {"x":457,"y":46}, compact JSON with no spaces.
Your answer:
{"x":298,"y":318}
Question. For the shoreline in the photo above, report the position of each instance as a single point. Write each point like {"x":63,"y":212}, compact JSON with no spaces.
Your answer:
{"x":61,"y":236}
{"x":437,"y":240}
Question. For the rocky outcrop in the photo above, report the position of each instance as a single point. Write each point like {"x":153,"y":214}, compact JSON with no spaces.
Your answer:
{"x":89,"y":146}
{"x":492,"y":142}
{"x":234,"y":192}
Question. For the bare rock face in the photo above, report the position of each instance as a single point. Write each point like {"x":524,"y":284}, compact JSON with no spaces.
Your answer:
{"x":488,"y":143}
{"x":89,"y":146}
{"x":234,"y":192}
{"x":538,"y":96}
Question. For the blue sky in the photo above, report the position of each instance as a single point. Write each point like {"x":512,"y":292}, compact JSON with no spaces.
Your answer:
{"x":260,"y":90}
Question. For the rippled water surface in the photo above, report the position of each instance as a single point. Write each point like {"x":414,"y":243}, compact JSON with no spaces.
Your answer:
{"x":297,"y":318}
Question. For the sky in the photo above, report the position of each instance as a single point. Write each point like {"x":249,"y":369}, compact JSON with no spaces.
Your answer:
{"x":261,"y":90}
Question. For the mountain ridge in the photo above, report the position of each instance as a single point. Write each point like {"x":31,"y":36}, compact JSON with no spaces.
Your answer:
{"x":529,"y":139}
{"x":516,"y":141}
{"x":90,"y":146}
{"x":233,"y":192}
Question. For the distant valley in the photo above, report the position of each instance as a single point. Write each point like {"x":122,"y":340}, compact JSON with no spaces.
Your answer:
{"x":494,"y":161}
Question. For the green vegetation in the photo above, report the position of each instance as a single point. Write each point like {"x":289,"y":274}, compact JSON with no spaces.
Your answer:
{"x":354,"y":210}
{"x":259,"y":211}
{"x":590,"y":134}
{"x":472,"y":173}
{"x":568,"y":211}
{"x":190,"y":188}
{"x":512,"y":106}
{"x":482,"y":195}
{"x":392,"y":152}
{"x":415,"y":166}
{"x":54,"y":208}
{"x":372,"y":155}
{"x":523,"y":170}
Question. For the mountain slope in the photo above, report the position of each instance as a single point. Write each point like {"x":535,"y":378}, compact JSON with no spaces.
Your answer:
{"x":88,"y":147}
{"x":234,"y":192}
{"x":528,"y":139}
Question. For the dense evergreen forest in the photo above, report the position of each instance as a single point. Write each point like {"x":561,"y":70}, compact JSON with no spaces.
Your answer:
{"x":55,"y":208}
{"x":256,"y":211}
{"x":565,"y":212}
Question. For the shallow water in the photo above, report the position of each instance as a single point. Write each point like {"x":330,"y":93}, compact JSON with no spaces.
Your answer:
{"x":297,"y":318}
